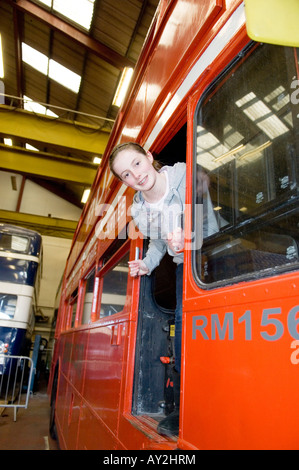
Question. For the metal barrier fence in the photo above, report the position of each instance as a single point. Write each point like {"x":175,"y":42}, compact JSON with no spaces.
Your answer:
{"x":16,"y":373}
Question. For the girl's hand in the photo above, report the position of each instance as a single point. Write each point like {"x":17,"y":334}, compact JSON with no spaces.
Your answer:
{"x":176,"y":240}
{"x":138,"y":268}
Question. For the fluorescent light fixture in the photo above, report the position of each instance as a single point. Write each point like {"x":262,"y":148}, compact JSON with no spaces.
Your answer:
{"x":255,"y":152}
{"x":1,"y":60}
{"x":230,"y":152}
{"x":85,"y":195}
{"x":97,"y":160}
{"x":8,"y":142}
{"x":79,"y":11}
{"x":56,"y":71}
{"x":122,"y":86}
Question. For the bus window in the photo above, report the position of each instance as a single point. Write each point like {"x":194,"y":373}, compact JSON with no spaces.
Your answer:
{"x":8,"y":304}
{"x":115,"y":288}
{"x":246,"y":168}
{"x":88,"y":296}
{"x":9,"y":242}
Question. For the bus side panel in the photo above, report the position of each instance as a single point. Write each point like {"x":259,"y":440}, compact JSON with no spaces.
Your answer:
{"x":62,"y":403}
{"x":70,"y":389}
{"x":67,"y":345}
{"x":77,"y":363}
{"x":93,"y":434}
{"x":60,"y":408}
{"x":104,"y":372}
{"x":186,"y":22}
{"x":241,"y":376}
{"x":71,"y":418}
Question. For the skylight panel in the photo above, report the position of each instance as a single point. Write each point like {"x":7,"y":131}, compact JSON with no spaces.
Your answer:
{"x":259,"y":113}
{"x":46,"y":2}
{"x":64,"y":76}
{"x":79,"y":11}
{"x":38,"y":108}
{"x":36,"y":59}
{"x":56,"y":71}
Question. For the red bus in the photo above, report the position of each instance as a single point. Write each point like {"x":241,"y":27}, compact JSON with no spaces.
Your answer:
{"x":206,"y":94}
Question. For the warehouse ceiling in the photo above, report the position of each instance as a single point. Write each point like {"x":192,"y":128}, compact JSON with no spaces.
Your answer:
{"x":57,"y":150}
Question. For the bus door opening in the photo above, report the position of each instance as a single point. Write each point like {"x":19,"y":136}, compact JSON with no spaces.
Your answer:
{"x":154,"y":361}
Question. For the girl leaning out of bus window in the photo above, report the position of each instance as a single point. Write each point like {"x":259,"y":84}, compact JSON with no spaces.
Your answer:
{"x":157,"y":211}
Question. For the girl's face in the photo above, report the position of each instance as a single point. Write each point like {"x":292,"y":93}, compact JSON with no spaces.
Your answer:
{"x":135,"y":169}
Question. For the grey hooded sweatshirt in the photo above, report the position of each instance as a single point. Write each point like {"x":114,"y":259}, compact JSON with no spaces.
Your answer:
{"x":156,"y":224}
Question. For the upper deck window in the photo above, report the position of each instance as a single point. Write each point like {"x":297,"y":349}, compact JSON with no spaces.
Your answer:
{"x":246,"y":168}
{"x":8,"y":304}
{"x":9,"y":242}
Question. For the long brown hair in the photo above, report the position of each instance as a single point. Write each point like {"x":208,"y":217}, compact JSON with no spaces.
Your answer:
{"x":135,"y":147}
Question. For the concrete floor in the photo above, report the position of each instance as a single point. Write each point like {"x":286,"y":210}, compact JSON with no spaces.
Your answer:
{"x":31,"y":429}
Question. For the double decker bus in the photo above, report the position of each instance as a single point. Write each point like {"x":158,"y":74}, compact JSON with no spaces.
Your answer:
{"x":206,"y":94}
{"x":20,"y":274}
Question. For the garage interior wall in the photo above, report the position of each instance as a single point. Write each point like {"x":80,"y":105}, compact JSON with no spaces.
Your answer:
{"x":37,"y":200}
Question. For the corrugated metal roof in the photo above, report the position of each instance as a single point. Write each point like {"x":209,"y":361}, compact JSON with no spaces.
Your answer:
{"x":116,"y":36}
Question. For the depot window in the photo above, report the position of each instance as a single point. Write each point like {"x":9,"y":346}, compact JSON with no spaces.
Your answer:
{"x":246,"y":169}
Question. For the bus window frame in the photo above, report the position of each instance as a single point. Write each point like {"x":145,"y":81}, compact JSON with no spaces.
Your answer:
{"x":101,"y":269}
{"x":91,"y":272}
{"x":107,"y":267}
{"x":68,"y":313}
{"x":14,"y":250}
{"x":79,"y":308}
{"x":71,"y":318}
{"x":198,"y":100}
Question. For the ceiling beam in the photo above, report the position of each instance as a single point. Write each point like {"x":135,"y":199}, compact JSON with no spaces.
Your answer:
{"x":18,"y":34}
{"x":97,"y":48}
{"x":60,"y":132}
{"x":50,"y":226}
{"x":26,"y":162}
